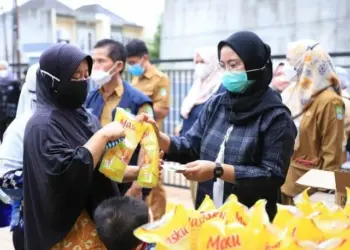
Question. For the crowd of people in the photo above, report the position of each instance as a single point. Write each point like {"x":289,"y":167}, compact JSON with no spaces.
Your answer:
{"x":247,"y":129}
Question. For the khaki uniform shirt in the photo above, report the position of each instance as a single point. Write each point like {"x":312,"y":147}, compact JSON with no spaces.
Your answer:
{"x":112,"y":102}
{"x":156,"y":85}
{"x":320,"y":144}
{"x":346,"y":100}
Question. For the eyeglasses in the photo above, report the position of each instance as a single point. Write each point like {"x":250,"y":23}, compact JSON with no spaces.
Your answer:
{"x":232,"y":66}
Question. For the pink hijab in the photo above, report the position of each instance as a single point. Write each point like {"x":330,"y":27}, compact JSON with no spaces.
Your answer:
{"x":207,"y":80}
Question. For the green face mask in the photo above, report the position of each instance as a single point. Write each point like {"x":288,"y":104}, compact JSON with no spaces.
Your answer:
{"x":236,"y":82}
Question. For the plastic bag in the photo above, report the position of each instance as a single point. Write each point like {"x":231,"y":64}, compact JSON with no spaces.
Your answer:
{"x":149,"y":171}
{"x":284,"y":216}
{"x":116,"y":160}
{"x":260,"y":229}
{"x":334,"y":228}
{"x":290,"y":244}
{"x":171,"y":232}
{"x":206,"y":212}
{"x":238,"y":212}
{"x":332,"y":244}
{"x":303,"y":203}
{"x":207,"y":204}
{"x":169,"y":207}
{"x":305,"y":229}
{"x":215,"y":234}
{"x":335,"y":213}
{"x":258,"y":215}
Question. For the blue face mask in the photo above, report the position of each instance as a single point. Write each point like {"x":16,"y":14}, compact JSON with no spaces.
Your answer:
{"x":136,"y":70}
{"x":236,"y":82}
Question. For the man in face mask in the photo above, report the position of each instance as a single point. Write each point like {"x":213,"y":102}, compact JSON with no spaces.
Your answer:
{"x":3,"y":69}
{"x":148,"y":79}
{"x":109,"y":58}
{"x":109,"y":61}
{"x":5,"y":74}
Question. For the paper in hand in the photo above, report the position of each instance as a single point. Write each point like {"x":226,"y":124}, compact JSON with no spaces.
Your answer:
{"x":174,"y":167}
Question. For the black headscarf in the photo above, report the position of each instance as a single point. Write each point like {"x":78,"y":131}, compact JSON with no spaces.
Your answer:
{"x":59,"y":179}
{"x":60,"y":61}
{"x":258,"y":98}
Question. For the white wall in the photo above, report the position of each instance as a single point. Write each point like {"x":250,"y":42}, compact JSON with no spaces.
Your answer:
{"x":8,"y":25}
{"x":86,"y":36}
{"x":191,"y":24}
{"x":34,"y":27}
{"x":103,"y":27}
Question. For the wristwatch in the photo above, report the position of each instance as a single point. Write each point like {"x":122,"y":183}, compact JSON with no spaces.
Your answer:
{"x":218,"y":171}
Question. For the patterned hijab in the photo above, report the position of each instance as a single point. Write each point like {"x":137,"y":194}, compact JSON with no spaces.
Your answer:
{"x":315,"y":72}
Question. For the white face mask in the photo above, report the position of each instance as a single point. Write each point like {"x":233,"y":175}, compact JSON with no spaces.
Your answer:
{"x":202,"y":70}
{"x":290,"y":72}
{"x":3,"y":73}
{"x":100,"y":77}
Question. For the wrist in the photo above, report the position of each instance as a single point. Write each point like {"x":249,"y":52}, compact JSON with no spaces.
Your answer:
{"x":218,"y":171}
{"x":164,"y":142}
{"x":131,"y":173}
{"x":135,"y":172}
{"x":229,"y":173}
{"x":102,"y":136}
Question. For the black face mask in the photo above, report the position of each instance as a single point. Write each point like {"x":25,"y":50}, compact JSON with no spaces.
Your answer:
{"x":71,"y":95}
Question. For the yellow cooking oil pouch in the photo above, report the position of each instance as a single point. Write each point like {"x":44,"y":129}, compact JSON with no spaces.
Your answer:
{"x":284,"y":216}
{"x":305,"y":229}
{"x":206,"y":205}
{"x":304,"y":204}
{"x":149,"y":171}
{"x":116,"y":159}
{"x":198,"y":218}
{"x":293,"y":244}
{"x":262,"y":234}
{"x":238,"y":212}
{"x":216,"y":234}
{"x":337,"y":228}
{"x":332,"y":244}
{"x":170,"y":233}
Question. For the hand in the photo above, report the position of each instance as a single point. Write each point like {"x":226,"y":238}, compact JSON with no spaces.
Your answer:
{"x":199,"y":171}
{"x":178,"y":129}
{"x":112,"y":131}
{"x":161,"y":163}
{"x":134,"y":191}
{"x":146,"y":118}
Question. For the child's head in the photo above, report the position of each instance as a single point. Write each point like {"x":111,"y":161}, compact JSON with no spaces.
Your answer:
{"x":117,"y":218}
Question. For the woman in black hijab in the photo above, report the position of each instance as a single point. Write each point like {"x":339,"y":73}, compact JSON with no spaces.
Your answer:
{"x":243,"y":140}
{"x":62,"y":148}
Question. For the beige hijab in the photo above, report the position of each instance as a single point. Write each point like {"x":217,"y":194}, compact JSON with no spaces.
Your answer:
{"x":203,"y":87}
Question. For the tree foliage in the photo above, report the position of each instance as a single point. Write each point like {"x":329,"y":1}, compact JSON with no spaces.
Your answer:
{"x":154,"y":46}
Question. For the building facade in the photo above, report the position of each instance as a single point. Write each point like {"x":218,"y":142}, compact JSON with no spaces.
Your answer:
{"x":192,"y":24}
{"x":44,"y":22}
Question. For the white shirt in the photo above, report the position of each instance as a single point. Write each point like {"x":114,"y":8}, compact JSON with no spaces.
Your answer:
{"x":27,"y":98}
{"x":11,"y":149}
